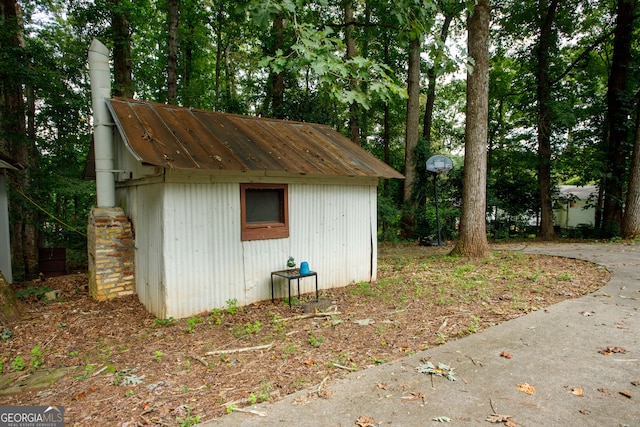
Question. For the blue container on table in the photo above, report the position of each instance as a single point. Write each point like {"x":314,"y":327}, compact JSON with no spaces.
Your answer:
{"x":304,"y":267}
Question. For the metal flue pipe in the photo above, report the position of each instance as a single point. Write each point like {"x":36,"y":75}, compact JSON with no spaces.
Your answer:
{"x":100,"y":76}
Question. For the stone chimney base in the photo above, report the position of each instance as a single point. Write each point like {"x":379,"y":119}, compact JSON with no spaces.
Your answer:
{"x":111,"y":254}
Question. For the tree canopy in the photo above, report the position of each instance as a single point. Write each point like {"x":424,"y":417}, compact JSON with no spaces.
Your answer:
{"x":562,"y":98}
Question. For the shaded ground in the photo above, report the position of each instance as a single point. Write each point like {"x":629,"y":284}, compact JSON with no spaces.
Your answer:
{"x":134,"y":369}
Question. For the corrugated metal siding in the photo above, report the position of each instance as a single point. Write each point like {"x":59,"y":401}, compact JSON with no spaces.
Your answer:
{"x":203,"y":252}
{"x":144,"y":207}
{"x":331,"y":230}
{"x":199,"y":262}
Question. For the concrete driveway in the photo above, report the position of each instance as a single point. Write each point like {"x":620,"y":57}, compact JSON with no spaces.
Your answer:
{"x":577,"y":363}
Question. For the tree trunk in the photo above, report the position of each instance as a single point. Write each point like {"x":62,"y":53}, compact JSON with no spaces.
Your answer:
{"x":544,"y":118}
{"x":173,"y":11}
{"x":619,"y":109}
{"x":16,"y":142}
{"x":631,"y":219}
{"x":354,"y":109}
{"x":277,"y":79}
{"x":431,"y":77}
{"x":219,"y":51}
{"x":472,"y":241}
{"x":123,"y":83}
{"x":412,"y":132}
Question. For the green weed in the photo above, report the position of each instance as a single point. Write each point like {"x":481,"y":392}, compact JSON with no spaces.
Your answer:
{"x":188,"y":420}
{"x":18,"y":363}
{"x":315,"y":341}
{"x":232,"y":306}
{"x":37,"y":359}
{"x":164,"y":322}
{"x":192,"y":322}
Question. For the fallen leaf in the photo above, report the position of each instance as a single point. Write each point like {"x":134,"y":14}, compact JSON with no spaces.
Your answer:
{"x":607,"y":351}
{"x":497,"y":418}
{"x":625,"y":394}
{"x":577,"y":391}
{"x":527,"y":388}
{"x":635,"y":383}
{"x":506,"y":355}
{"x":309,"y":362}
{"x":365,"y":421}
{"x":584,"y":411}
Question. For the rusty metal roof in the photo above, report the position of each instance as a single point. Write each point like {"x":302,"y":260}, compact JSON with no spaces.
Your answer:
{"x":188,"y":138}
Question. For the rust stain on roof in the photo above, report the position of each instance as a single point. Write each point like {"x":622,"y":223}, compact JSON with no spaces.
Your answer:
{"x":186,"y":138}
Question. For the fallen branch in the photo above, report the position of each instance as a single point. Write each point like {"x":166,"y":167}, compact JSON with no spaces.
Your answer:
{"x":345,"y":367}
{"x":200,"y":359}
{"x":248,"y":411}
{"x":308,"y":315}
{"x":239,"y":350}
{"x":319,"y":389}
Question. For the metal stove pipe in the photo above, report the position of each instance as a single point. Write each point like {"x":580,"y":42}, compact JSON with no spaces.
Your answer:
{"x":100,"y":77}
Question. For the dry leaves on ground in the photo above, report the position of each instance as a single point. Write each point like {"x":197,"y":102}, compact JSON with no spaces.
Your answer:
{"x":133,"y":369}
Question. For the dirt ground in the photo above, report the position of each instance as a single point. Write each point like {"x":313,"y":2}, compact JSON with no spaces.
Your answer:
{"x":131,"y":369}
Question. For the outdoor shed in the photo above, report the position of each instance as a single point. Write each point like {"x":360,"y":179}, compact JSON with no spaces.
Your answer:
{"x":206,"y":205}
{"x":219,"y":201}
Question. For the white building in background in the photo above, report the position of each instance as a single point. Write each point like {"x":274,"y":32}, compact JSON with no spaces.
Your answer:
{"x":574,"y":206}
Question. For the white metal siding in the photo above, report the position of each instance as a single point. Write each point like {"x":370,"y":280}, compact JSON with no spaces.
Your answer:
{"x":144,"y":207}
{"x":190,"y":258}
{"x":203,"y":252}
{"x":331,"y":229}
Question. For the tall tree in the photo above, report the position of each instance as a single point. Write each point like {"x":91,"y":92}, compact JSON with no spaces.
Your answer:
{"x":631,"y":219}
{"x":619,"y":103}
{"x":545,"y":119}
{"x":13,"y":134}
{"x":173,"y":14}
{"x":120,"y":25}
{"x":412,"y":135}
{"x":354,"y":108}
{"x":450,"y":11}
{"x":472,"y":241}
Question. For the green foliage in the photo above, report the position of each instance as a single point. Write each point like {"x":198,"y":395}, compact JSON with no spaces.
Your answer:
{"x":188,"y":420}
{"x":315,"y":341}
{"x":192,"y":322}
{"x":18,"y":363}
{"x":230,"y":53}
{"x":164,"y":322}
{"x":37,"y":358}
{"x":6,"y":334}
{"x":31,"y":290}
{"x":232,"y":306}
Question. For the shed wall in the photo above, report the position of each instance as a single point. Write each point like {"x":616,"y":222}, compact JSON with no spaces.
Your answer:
{"x":205,"y":264}
{"x":144,"y":205}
